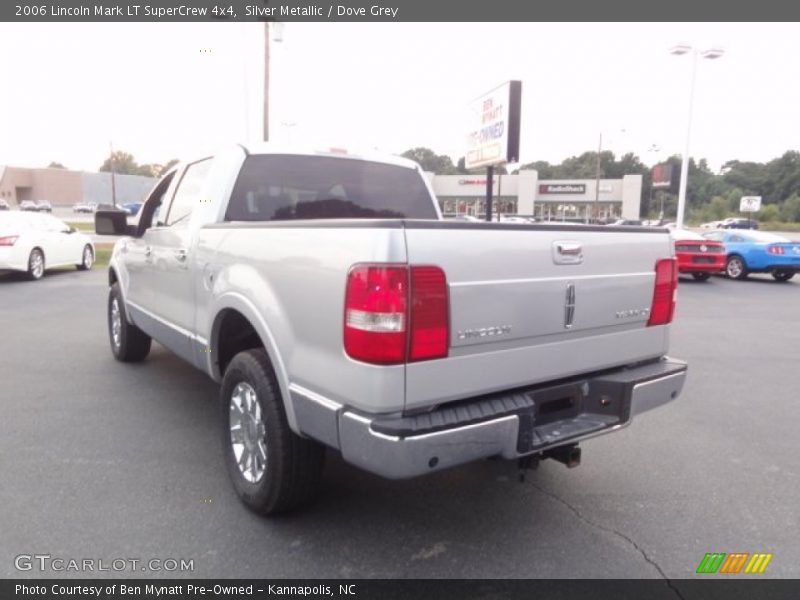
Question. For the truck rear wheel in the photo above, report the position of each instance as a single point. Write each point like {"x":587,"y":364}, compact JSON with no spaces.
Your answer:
{"x":272,"y":468}
{"x":128,"y":342}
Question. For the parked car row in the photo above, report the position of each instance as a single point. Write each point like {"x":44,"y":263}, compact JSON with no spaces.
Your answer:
{"x":36,"y":206}
{"x":84,"y":207}
{"x":731,"y":223}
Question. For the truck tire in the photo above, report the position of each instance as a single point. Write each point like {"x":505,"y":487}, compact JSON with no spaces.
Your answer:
{"x":128,"y":342}
{"x":272,"y":468}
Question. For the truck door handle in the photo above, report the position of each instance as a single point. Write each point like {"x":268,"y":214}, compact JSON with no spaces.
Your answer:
{"x":148,"y":251}
{"x":567,"y":252}
{"x":181,"y":254}
{"x":568,"y":248}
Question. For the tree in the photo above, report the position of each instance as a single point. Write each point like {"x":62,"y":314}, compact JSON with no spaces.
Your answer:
{"x":542,"y":167}
{"x":790,"y":211}
{"x":167,"y":166}
{"x":750,"y":177}
{"x":784,"y":175}
{"x":430,"y":161}
{"x":56,"y":165}
{"x":123,"y":163}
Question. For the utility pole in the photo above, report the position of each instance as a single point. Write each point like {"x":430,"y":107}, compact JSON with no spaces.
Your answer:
{"x":266,"y":81}
{"x":597,"y":179}
{"x":113,"y":182}
{"x":489,"y":190}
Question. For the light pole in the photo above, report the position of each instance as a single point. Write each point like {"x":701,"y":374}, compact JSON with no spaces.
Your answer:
{"x":710,"y":54}
{"x":278,"y":37}
{"x":596,"y":210}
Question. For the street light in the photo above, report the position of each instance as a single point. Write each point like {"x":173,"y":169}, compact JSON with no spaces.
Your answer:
{"x":711,"y":54}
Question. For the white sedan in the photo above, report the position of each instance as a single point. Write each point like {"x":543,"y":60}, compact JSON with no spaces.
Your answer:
{"x":32,"y":242}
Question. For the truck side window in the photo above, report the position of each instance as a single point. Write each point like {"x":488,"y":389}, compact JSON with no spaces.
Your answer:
{"x":152,"y":208}
{"x":187,"y":196}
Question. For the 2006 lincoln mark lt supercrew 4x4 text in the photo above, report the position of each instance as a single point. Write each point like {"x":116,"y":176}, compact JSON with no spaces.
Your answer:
{"x":337,"y":309}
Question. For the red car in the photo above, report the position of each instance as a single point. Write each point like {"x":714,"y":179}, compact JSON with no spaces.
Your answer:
{"x":697,"y":255}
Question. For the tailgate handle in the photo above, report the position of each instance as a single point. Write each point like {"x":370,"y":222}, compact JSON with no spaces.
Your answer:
{"x":567,"y":253}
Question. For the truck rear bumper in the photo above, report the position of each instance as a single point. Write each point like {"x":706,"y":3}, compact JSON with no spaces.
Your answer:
{"x":511,"y":425}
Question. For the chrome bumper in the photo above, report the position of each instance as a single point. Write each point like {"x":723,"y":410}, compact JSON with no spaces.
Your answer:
{"x":524,"y":431}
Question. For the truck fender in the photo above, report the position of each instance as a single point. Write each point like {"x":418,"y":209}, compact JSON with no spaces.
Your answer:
{"x":243,"y":305}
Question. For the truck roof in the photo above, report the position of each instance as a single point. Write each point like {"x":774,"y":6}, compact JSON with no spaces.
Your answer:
{"x":338,"y":152}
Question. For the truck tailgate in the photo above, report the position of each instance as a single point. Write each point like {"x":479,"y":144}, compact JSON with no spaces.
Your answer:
{"x":530,"y":304}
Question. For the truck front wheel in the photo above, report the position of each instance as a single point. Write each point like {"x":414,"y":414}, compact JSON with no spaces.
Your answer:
{"x":128,"y":342}
{"x":273,"y":469}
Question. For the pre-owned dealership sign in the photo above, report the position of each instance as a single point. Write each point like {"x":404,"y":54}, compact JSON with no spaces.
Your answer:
{"x":562,"y":188}
{"x":494,"y":132}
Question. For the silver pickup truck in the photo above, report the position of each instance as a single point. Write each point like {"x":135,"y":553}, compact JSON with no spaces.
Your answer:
{"x":337,"y":309}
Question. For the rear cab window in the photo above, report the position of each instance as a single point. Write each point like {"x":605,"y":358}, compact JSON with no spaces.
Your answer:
{"x":289,"y":187}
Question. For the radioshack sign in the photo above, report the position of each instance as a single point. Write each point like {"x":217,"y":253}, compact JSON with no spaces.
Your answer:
{"x":476,"y":181}
{"x":562,"y":188}
{"x":494,"y":136}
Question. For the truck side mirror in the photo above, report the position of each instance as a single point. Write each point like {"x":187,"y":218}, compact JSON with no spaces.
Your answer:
{"x":112,"y":222}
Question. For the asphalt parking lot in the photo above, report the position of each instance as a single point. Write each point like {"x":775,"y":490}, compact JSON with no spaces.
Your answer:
{"x":104,"y":460}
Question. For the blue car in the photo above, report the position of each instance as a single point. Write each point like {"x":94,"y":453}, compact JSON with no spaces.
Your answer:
{"x":758,"y":252}
{"x":132,"y":208}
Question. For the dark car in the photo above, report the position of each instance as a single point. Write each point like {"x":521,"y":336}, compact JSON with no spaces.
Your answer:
{"x":739,"y":224}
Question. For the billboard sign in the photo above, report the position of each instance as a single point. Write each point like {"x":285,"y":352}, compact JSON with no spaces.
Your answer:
{"x":750,"y":204}
{"x":493,"y":136}
{"x":665,"y":177}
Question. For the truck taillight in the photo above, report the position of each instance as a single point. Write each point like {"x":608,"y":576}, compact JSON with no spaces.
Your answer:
{"x":8,"y":240}
{"x":429,"y":318}
{"x":775,"y":249}
{"x":665,"y":292}
{"x":395,"y":313}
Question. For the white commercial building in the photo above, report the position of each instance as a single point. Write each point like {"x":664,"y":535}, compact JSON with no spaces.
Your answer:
{"x":548,"y":199}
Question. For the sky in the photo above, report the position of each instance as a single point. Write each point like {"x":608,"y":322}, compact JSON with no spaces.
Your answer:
{"x":163,"y":90}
